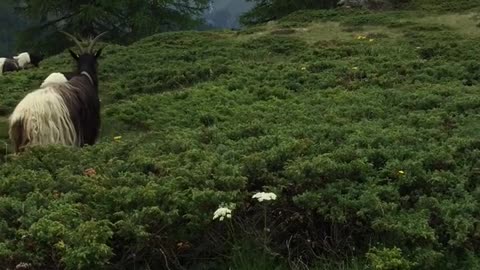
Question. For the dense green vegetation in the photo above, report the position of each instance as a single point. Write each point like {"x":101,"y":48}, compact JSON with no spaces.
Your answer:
{"x":364,"y":124}
{"x":267,"y":10}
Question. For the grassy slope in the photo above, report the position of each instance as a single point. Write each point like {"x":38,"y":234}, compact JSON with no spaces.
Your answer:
{"x":302,"y":108}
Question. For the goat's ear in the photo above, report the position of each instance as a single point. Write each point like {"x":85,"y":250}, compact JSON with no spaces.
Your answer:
{"x":98,"y":53}
{"x":73,"y":54}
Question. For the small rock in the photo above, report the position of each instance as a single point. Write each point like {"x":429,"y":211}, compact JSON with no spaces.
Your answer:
{"x":90,"y":172}
{"x":23,"y":266}
{"x":271,"y":22}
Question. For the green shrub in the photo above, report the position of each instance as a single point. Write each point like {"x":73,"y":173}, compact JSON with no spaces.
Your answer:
{"x":388,"y":259}
{"x":371,"y":147}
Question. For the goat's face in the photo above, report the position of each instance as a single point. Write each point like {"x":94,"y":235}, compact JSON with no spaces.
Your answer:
{"x":35,"y":59}
{"x":87,"y":61}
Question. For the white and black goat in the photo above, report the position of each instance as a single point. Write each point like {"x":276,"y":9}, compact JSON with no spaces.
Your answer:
{"x":66,"y":113}
{"x":8,"y":65}
{"x":19,"y":62}
{"x":24,"y":59}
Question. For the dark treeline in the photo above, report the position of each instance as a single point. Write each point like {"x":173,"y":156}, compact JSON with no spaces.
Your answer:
{"x":10,"y":25}
{"x":125,"y":20}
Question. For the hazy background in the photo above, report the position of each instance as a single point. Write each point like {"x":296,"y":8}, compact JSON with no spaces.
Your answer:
{"x":9,"y":25}
{"x":225,"y":13}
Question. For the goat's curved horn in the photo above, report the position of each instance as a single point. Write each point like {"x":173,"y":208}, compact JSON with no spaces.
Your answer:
{"x":92,"y":43}
{"x":74,"y":39}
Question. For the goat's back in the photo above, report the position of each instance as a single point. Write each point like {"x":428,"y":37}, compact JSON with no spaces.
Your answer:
{"x":42,"y":118}
{"x":84,"y":106}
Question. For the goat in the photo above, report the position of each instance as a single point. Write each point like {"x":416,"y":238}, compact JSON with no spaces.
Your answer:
{"x":65,"y":113}
{"x":20,"y":61}
{"x":8,"y":65}
{"x":25,"y":58}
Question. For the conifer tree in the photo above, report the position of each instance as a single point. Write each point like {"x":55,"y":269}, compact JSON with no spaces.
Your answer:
{"x":126,"y":20}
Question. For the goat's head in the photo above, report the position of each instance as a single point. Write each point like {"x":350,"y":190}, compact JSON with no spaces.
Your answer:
{"x":35,"y":59}
{"x":86,"y":58}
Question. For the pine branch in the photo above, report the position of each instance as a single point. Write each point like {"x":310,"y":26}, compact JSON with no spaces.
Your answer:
{"x":66,"y":17}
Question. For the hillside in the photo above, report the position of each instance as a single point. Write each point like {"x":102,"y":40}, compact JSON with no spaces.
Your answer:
{"x":365,"y":125}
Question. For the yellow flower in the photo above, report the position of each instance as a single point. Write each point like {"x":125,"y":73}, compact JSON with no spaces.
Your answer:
{"x":60,"y":245}
{"x":117,"y":138}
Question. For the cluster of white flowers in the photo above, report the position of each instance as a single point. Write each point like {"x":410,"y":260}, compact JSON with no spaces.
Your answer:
{"x":222,"y":213}
{"x":226,"y":211}
{"x":264,"y":196}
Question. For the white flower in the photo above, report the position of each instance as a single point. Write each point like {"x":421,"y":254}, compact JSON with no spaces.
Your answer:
{"x":221,"y":213}
{"x":262,"y":196}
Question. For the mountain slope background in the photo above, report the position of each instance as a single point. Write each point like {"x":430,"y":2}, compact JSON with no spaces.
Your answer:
{"x":225,"y":14}
{"x":365,"y":125}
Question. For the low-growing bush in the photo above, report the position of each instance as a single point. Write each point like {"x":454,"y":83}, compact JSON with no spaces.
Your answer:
{"x":368,"y":139}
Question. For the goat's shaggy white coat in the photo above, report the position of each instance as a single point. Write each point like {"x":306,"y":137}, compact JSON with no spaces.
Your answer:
{"x":23,"y":59}
{"x":2,"y":61}
{"x":45,"y":118}
{"x":54,"y":78}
